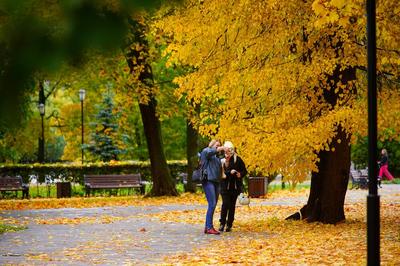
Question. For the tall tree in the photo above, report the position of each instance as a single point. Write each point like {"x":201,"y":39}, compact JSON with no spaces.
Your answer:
{"x":285,"y":81}
{"x":138,"y":60}
{"x":104,"y":144}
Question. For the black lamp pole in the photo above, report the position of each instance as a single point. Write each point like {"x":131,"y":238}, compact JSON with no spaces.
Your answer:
{"x":373,"y":215}
{"x":82,"y":93}
{"x":41,"y":139}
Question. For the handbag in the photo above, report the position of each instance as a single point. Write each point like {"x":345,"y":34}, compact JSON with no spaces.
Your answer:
{"x":197,"y":175}
{"x":243,"y":199}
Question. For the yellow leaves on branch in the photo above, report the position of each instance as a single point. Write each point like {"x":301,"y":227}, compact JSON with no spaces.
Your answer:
{"x":341,"y":12}
{"x":263,"y":70}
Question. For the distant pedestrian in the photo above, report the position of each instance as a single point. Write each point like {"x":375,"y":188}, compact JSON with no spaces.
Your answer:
{"x":384,"y":165}
{"x":213,"y":170}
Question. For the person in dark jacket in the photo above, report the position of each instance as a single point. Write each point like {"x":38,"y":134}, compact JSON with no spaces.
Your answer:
{"x":231,"y":185}
{"x":212,"y":167}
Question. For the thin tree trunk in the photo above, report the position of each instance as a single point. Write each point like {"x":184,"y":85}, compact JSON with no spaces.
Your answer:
{"x":162,"y":180}
{"x":138,"y":59}
{"x":191,"y":155}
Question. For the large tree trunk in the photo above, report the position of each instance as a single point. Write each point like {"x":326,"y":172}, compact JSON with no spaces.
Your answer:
{"x":328,"y":187}
{"x":137,"y":58}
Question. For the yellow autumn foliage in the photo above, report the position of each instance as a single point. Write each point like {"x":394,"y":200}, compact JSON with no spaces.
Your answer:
{"x":261,"y":70}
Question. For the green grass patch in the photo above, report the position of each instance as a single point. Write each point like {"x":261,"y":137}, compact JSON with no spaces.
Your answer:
{"x":394,"y":181}
{"x":11,"y":228}
{"x":278,"y":187}
{"x":77,"y":190}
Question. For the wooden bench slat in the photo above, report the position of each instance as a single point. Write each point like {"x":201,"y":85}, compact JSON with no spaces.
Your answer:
{"x":11,"y":189}
{"x":14,"y":183}
{"x":112,"y":181}
{"x":113,"y":186}
{"x":359,"y":178}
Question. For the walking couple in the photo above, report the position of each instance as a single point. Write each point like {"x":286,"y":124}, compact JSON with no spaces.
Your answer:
{"x":225,"y":171}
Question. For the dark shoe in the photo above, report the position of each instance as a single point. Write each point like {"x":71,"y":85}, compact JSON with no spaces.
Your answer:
{"x":205,"y":230}
{"x":212,"y":231}
{"x":221,"y":228}
{"x":379,"y":183}
{"x":228,"y":229}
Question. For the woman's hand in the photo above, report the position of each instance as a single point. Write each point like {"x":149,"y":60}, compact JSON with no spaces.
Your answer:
{"x":234,"y":172}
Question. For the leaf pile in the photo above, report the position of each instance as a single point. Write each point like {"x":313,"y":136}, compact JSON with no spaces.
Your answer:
{"x":31,"y":204}
{"x":262,"y":237}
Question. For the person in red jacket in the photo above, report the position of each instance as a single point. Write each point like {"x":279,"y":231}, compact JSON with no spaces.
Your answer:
{"x":384,"y":165}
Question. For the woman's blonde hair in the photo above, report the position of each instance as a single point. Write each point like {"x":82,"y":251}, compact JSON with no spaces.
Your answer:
{"x":230,"y":146}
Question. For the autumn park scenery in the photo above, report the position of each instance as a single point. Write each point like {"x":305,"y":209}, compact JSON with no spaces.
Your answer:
{"x":109,"y":108}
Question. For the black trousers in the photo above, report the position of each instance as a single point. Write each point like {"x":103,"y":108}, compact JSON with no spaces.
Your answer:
{"x":228,"y":208}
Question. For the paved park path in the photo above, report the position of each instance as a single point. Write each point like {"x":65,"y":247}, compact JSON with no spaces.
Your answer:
{"x":132,"y":238}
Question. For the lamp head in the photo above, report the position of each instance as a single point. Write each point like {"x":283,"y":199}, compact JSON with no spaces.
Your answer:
{"x":82,"y":93}
{"x":41,"y":108}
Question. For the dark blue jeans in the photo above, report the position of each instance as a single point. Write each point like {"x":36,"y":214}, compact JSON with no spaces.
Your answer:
{"x":211,"y":190}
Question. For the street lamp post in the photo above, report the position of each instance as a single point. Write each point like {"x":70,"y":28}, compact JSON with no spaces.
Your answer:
{"x":82,"y":93}
{"x":41,"y":139}
{"x":373,"y":215}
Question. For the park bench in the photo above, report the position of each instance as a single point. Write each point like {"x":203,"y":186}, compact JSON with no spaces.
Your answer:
{"x":93,"y":182}
{"x":13,"y":183}
{"x":359,"y":178}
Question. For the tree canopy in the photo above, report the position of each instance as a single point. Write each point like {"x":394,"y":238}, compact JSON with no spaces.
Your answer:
{"x":280,"y":78}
